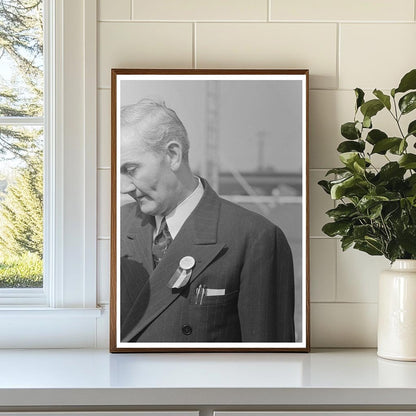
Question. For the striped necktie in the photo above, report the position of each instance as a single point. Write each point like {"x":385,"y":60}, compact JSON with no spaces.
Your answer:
{"x":161,"y":242}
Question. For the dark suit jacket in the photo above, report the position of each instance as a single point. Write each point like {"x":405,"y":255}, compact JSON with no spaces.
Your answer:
{"x":236,"y":250}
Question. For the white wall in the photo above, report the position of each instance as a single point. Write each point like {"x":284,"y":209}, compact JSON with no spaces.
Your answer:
{"x":345,"y":44}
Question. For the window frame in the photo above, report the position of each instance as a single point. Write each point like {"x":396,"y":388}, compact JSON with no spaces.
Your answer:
{"x":67,"y":303}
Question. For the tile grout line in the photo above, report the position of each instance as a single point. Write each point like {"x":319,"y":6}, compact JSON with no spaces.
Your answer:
{"x":355,"y":302}
{"x":322,"y":237}
{"x":194,"y":63}
{"x":306,"y":22}
{"x":336,"y":271}
{"x":131,"y":9}
{"x":338,"y":64}
{"x":269,"y":10}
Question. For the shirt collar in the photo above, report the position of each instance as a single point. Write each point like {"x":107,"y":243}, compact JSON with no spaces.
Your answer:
{"x":176,"y":218}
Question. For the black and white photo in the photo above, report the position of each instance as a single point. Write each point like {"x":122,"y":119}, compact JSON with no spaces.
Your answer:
{"x":209,"y":211}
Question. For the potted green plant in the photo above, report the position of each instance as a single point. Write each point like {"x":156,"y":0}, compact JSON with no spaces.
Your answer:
{"x":376,"y":206}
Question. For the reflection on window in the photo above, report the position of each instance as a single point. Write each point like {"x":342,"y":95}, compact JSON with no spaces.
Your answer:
{"x":21,"y":143}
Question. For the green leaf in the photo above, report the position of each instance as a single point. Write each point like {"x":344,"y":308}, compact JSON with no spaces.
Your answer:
{"x":408,"y":102}
{"x":359,"y":95}
{"x":398,"y":149}
{"x":385,"y":99}
{"x":338,"y":189}
{"x":348,"y":158}
{"x":368,"y":201}
{"x":375,"y":136}
{"x":359,"y":165}
{"x":349,"y":146}
{"x":368,"y":248}
{"x":342,"y":211}
{"x":338,"y":171}
{"x":408,"y":161}
{"x":383,"y":145}
{"x":393,"y":250}
{"x":411,"y":183}
{"x":411,"y":180}
{"x":361,"y":231}
{"x":350,"y":131}
{"x":325,"y":186}
{"x":391,"y":170}
{"x":336,"y":228}
{"x":407,"y":239}
{"x":371,"y":108}
{"x":346,"y":242}
{"x":375,"y":211}
{"x":367,"y":122}
{"x":408,"y":82}
{"x":412,"y":202}
{"x":411,"y":130}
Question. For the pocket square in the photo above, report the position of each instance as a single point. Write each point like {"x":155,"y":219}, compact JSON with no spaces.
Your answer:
{"x":215,"y":292}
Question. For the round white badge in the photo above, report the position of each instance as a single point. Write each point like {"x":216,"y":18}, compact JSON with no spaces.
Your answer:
{"x":187,"y":263}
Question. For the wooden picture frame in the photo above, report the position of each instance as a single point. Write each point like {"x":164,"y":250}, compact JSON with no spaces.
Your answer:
{"x":227,"y":281}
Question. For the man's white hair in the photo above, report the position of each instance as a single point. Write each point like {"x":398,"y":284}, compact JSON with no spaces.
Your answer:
{"x":155,"y":124}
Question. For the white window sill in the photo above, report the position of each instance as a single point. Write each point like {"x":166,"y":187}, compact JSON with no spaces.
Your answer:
{"x":40,"y":327}
{"x":35,"y":311}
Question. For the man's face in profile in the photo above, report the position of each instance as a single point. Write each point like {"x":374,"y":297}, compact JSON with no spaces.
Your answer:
{"x":145,"y":175}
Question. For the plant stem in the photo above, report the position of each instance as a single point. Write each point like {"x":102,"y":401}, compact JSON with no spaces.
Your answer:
{"x":397,"y":118}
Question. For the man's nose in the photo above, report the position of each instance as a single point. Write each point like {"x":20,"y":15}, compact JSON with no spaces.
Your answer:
{"x":126,"y":185}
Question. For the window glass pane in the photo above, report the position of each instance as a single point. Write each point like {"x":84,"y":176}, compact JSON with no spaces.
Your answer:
{"x":21,"y":146}
{"x":21,"y":208}
{"x":21,"y":58}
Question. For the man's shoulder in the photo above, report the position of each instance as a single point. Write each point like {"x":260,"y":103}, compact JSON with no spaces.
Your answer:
{"x":237,"y":214}
{"x":129,"y":210}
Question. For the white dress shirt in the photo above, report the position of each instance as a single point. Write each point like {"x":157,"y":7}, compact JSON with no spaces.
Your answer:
{"x":176,"y":218}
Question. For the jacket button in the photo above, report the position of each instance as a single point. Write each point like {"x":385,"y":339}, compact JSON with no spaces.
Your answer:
{"x":186,"y":330}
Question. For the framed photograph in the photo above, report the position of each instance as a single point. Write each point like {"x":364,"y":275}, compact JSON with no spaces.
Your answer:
{"x":209,"y":210}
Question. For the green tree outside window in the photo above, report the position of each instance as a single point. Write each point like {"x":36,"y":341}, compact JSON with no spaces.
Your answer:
{"x":21,"y":143}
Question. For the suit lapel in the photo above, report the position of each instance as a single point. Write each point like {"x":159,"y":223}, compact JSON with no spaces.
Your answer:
{"x":197,"y":238}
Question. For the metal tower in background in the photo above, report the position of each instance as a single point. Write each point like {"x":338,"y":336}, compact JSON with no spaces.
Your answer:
{"x":210,"y":163}
{"x":261,"y":139}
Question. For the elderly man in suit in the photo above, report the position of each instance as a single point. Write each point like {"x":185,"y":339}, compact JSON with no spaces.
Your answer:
{"x":194,"y":267}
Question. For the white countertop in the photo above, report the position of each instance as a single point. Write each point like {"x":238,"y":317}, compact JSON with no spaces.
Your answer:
{"x":96,"y":377}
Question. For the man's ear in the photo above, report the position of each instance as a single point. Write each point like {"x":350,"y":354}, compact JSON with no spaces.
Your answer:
{"x":174,"y":153}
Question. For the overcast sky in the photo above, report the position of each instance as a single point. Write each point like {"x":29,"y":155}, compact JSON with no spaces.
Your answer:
{"x":246,"y":108}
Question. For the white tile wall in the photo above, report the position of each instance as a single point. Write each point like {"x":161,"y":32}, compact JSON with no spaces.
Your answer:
{"x":114,"y":10}
{"x":271,"y":45}
{"x":340,"y":10}
{"x":344,"y":325}
{"x":376,"y":55}
{"x":200,"y":10}
{"x":142,"y":45}
{"x":323,"y":269}
{"x":345,"y":44}
{"x":357,"y":275}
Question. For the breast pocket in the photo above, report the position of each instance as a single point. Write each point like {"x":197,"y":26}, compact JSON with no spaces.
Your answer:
{"x":207,"y":297}
{"x":215,"y":318}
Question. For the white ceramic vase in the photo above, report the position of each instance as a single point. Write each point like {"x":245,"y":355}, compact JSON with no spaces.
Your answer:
{"x":397,"y":312}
